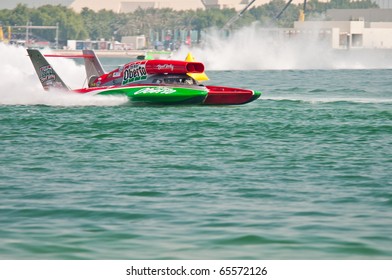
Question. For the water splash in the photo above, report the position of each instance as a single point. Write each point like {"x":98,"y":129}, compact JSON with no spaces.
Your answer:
{"x":257,"y":48}
{"x":318,"y":99}
{"x":20,"y":84}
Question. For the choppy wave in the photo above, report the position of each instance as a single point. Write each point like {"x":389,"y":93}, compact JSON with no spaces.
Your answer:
{"x":284,"y":177}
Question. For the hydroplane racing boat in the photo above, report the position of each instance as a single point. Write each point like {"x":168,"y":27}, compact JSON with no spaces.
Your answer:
{"x":146,"y":81}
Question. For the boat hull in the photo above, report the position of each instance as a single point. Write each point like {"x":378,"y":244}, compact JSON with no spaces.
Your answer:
{"x":150,"y":94}
{"x":218,"y":95}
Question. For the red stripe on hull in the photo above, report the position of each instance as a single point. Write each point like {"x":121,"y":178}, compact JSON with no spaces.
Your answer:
{"x":70,"y":55}
{"x":228,"y":96}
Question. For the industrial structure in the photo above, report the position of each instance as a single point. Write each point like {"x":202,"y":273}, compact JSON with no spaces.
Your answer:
{"x":27,"y":39}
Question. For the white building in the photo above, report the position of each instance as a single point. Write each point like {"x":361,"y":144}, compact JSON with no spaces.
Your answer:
{"x":356,"y":34}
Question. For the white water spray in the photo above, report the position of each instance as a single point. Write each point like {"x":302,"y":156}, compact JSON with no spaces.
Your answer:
{"x":20,"y":84}
{"x":256,"y":48}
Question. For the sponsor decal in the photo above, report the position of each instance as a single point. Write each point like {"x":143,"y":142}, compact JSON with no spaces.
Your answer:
{"x":134,"y":72}
{"x":165,"y":67}
{"x":52,"y":84}
{"x":159,"y":90}
{"x":47,"y":74}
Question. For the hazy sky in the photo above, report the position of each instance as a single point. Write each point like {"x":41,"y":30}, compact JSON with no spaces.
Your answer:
{"x":10,"y":4}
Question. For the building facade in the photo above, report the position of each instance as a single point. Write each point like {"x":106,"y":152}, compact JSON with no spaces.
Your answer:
{"x":354,"y":34}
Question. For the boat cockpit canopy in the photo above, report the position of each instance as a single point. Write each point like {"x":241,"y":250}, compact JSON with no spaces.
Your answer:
{"x":173,"y":80}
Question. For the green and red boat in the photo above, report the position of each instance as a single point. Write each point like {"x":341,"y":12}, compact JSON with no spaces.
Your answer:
{"x":147,"y":81}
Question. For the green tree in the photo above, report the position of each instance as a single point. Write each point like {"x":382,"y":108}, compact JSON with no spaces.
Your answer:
{"x":105,"y":27}
{"x":19,"y":16}
{"x":70,"y":23}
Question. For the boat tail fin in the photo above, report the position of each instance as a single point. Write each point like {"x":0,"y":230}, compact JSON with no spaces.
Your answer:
{"x":46,"y":74}
{"x":92,"y":64}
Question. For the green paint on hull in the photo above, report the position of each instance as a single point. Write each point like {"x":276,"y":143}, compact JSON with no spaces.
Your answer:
{"x":256,"y":94}
{"x":160,"y":94}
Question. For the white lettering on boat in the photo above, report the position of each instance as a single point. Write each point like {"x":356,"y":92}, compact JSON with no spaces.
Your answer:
{"x":165,"y":66}
{"x":159,"y":90}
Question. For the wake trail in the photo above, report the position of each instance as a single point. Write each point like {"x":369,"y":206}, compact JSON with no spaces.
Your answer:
{"x":315,"y":100}
{"x":21,"y":86}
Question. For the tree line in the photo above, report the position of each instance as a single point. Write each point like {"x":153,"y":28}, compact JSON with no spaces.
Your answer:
{"x":89,"y":24}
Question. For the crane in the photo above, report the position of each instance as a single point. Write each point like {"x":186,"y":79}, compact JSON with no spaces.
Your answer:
{"x":238,"y":15}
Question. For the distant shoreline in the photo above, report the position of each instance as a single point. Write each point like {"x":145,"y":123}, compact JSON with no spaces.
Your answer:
{"x":104,"y":53}
{"x":111,"y":53}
